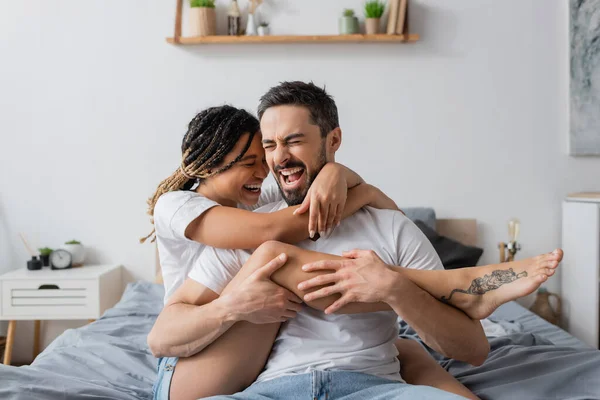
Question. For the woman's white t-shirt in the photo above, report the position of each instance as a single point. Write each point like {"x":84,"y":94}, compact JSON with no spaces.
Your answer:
{"x":173,"y":212}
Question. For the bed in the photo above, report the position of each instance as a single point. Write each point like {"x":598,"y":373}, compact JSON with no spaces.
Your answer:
{"x":109,"y":358}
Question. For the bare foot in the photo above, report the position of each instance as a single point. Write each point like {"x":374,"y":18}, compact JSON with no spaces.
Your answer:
{"x":493,"y":285}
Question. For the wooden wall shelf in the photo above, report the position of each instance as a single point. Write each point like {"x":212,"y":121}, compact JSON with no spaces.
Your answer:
{"x":382,"y":38}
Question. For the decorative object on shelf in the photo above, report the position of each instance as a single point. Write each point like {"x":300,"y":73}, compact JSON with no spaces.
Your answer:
{"x":61,"y":259}
{"x":542,"y":307}
{"x":373,"y":11}
{"x":251,"y":24}
{"x":398,"y":17}
{"x":584,"y":33}
{"x":77,"y":251}
{"x":45,"y":256}
{"x":263,"y":29}
{"x":508,"y":250}
{"x":34,"y":264}
{"x":203,"y":18}
{"x":234,"y":23}
{"x":348,"y":23}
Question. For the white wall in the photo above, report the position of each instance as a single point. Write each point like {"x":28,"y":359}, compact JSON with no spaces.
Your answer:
{"x":471,"y":120}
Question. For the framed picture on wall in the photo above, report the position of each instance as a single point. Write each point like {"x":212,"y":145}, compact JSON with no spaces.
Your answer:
{"x":584,"y":32}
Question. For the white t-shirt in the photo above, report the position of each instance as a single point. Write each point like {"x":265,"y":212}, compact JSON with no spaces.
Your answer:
{"x":173,"y":212}
{"x":313,"y":340}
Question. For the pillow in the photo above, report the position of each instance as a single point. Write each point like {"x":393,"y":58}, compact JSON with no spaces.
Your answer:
{"x":452,"y":253}
{"x":424,"y":214}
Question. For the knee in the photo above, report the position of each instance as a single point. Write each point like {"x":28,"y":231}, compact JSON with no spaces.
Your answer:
{"x":269,"y":250}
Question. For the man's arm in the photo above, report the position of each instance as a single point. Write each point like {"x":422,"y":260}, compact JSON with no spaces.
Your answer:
{"x":195,"y":316}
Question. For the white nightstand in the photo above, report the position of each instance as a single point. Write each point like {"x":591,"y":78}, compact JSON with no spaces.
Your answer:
{"x":77,"y":293}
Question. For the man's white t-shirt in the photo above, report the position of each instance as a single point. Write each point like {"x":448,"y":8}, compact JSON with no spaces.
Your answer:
{"x":173,"y":212}
{"x":313,"y":340}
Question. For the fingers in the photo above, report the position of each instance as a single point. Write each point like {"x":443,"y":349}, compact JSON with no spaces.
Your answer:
{"x":304,"y":207}
{"x":289,"y":314}
{"x":269,"y":268}
{"x":293,"y":306}
{"x":323,"y":264}
{"x":323,"y":213}
{"x":324,"y":292}
{"x":318,"y":281}
{"x":292,"y":297}
{"x":312,"y":218}
{"x":331,"y":217}
{"x":339,"y":303}
{"x":338,"y":216}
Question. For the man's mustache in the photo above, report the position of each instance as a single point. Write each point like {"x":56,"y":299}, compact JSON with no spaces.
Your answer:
{"x":288,"y":165}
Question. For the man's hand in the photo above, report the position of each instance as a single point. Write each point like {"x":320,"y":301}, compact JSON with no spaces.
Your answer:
{"x":325,"y":199}
{"x":362,"y":277}
{"x":261,"y":301}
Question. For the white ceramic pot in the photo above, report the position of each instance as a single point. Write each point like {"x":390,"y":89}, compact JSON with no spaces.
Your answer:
{"x":263,"y":30}
{"x":251,"y":26}
{"x":77,"y":252}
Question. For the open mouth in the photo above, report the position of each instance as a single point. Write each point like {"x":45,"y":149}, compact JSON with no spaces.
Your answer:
{"x":292,"y":177}
{"x":254,"y":189}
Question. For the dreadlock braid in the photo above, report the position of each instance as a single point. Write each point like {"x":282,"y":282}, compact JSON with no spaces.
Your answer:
{"x":211,"y":136}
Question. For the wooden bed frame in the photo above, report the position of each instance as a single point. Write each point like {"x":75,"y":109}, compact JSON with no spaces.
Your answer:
{"x":461,"y":230}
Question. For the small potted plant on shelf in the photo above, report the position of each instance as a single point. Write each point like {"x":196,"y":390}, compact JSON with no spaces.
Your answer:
{"x":77,"y":252}
{"x":263,"y":29}
{"x":348,"y":23}
{"x":45,"y":256}
{"x":203,"y":18}
{"x":373,"y":11}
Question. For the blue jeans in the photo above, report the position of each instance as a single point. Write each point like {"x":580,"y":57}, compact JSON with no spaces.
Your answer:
{"x":317,"y":385}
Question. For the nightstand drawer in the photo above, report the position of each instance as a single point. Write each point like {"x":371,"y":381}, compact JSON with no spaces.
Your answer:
{"x":51,"y":298}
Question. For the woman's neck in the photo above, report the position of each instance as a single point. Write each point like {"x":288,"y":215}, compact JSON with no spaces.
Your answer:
{"x":208,"y":192}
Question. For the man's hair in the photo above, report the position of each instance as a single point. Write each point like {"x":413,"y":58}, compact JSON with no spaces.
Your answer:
{"x":322,"y":108}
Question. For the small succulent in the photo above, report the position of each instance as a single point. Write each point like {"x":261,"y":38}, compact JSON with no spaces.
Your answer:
{"x":73,"y":242}
{"x":348,"y":12}
{"x":45,"y":251}
{"x":374,"y":8}
{"x":202,"y":3}
{"x":264,"y":24}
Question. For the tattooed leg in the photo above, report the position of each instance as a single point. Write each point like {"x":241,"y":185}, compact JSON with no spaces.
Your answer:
{"x":478,"y":291}
{"x":481,"y":286}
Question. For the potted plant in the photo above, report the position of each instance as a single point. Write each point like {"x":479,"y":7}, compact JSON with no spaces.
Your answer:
{"x":348,"y":23}
{"x":263,"y":29}
{"x":45,"y":256}
{"x":77,"y":251}
{"x":203,"y":18}
{"x":373,"y":11}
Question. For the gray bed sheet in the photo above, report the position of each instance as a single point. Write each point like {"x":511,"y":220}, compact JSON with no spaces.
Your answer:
{"x":109,"y":359}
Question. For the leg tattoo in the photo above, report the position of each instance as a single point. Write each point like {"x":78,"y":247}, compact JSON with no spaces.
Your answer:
{"x":481,"y":286}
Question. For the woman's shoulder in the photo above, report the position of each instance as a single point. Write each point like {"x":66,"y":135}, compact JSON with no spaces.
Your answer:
{"x":169,"y":203}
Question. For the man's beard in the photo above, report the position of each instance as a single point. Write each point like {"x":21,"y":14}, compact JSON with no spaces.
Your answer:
{"x":296,"y":196}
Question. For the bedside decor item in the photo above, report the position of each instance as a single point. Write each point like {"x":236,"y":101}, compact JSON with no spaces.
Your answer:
{"x":508,"y":251}
{"x":77,"y":251}
{"x":348,"y":23}
{"x":45,"y":256}
{"x":234,"y":17}
{"x":373,"y":11}
{"x":584,"y":33}
{"x":61,"y":259}
{"x":251,"y":23}
{"x":203,"y":18}
{"x":263,"y":29}
{"x":34,"y":264}
{"x":398,"y":17}
{"x":543,"y":308}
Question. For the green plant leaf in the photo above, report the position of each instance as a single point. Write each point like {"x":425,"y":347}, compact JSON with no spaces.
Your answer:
{"x":374,"y":8}
{"x":202,"y":3}
{"x":348,"y":12}
{"x":45,"y":251}
{"x":73,"y":242}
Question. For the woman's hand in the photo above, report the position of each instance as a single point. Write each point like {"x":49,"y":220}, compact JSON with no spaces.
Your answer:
{"x":326,"y":199}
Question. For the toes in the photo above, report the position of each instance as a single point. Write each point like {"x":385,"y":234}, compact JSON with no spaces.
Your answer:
{"x":557,"y":254}
{"x":550,"y":272}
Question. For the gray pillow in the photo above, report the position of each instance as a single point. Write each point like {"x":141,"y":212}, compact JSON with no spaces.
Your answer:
{"x":425,"y":214}
{"x":452,"y":253}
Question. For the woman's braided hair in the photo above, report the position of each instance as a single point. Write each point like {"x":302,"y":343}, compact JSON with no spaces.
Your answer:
{"x":211,"y":135}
